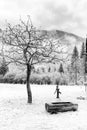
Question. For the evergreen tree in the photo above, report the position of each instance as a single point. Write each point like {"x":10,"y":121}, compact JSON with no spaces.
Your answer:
{"x":82,"y":51}
{"x":3,"y":67}
{"x":75,"y":54}
{"x":49,"y":69}
{"x":83,"y":61}
{"x":75,"y":63}
{"x":61,"y":70}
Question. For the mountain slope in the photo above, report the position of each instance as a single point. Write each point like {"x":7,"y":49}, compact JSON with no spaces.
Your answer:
{"x":68,"y":40}
{"x":64,"y":37}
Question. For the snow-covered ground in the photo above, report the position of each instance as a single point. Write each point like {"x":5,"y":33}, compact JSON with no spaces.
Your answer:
{"x":16,"y":114}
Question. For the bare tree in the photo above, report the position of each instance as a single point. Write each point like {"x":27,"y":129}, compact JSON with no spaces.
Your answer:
{"x":27,"y":46}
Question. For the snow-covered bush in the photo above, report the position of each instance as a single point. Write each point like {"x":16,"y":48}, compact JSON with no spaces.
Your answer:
{"x":9,"y":78}
{"x":46,"y":80}
{"x":40,"y":79}
{"x":35,"y":79}
{"x":20,"y":78}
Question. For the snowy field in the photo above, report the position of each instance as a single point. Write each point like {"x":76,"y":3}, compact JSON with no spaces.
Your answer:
{"x":16,"y":114}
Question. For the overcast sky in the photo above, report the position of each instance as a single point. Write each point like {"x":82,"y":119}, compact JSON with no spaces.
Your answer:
{"x":67,"y":15}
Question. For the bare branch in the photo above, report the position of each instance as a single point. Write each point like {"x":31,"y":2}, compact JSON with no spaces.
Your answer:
{"x":26,"y":45}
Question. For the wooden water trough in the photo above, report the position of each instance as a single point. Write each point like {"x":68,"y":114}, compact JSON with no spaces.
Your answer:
{"x":56,"y":107}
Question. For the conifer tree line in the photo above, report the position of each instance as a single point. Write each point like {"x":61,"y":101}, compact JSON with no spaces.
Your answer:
{"x":77,"y":68}
{"x":84,"y":59}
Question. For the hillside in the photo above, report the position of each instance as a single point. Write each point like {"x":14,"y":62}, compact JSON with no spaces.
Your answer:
{"x":61,"y":34}
{"x":65,"y":38}
{"x":68,"y":40}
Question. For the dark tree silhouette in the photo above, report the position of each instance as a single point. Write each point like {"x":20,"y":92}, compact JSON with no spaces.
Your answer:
{"x":49,"y":69}
{"x":3,"y":67}
{"x":82,"y":51}
{"x":61,"y":70}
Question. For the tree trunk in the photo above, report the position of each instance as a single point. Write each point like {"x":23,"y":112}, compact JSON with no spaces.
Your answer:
{"x":75,"y":72}
{"x":28,"y":84}
{"x":76,"y":76}
{"x":85,"y":69}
